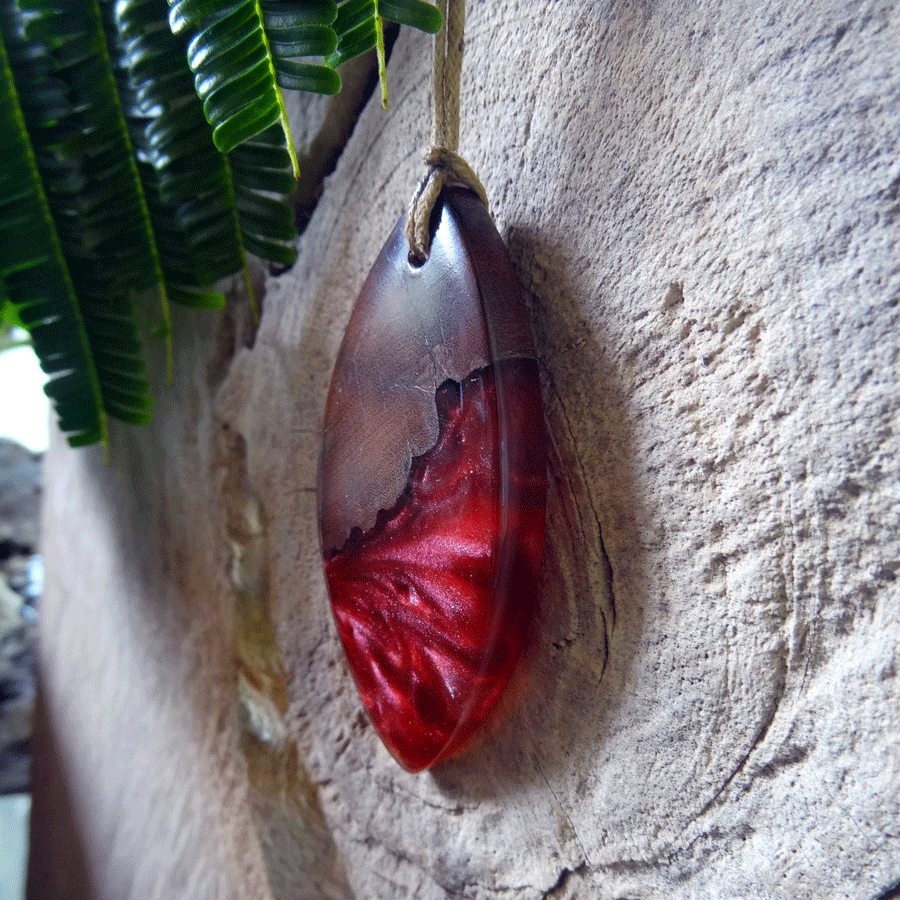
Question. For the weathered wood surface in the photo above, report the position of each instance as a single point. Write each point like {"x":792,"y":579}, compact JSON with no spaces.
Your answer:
{"x":702,"y":202}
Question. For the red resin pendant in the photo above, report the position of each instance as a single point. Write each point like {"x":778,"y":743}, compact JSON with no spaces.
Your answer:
{"x":433,"y":487}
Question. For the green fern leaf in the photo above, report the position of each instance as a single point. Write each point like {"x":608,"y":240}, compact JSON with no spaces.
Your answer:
{"x":84,"y":156}
{"x":84,"y":160}
{"x":184,"y":176}
{"x":190,"y":185}
{"x":36,"y":282}
{"x":359,"y":27}
{"x":154,"y":159}
{"x":415,"y":13}
{"x":258,"y":167}
{"x":306,"y":40}
{"x":234,"y":74}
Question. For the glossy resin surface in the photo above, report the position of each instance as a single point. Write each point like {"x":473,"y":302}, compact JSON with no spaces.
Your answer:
{"x":433,"y":485}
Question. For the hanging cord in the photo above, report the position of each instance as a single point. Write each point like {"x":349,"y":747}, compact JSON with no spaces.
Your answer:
{"x":444,"y":163}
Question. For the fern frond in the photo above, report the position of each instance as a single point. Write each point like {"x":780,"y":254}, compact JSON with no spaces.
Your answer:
{"x":136,"y":156}
{"x":184,"y":176}
{"x":84,"y":155}
{"x":260,"y":168}
{"x":236,"y":75}
{"x":35,"y":280}
{"x":359,"y":26}
{"x":298,"y":34}
{"x":206,"y":217}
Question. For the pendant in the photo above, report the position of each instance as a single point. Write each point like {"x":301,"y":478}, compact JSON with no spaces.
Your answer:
{"x":432,"y":484}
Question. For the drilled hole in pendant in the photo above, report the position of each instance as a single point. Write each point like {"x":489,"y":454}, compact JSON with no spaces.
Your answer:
{"x":415,"y":261}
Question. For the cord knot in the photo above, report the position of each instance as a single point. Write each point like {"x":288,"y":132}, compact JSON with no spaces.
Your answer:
{"x":444,"y":166}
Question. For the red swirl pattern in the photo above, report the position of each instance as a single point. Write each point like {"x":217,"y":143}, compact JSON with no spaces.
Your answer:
{"x":434,"y":603}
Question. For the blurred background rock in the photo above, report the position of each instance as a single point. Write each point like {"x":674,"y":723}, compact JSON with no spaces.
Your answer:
{"x":20,"y":586}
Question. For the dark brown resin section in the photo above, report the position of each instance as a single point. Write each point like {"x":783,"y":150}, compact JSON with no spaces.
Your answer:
{"x":432,"y":572}
{"x":411,"y":330}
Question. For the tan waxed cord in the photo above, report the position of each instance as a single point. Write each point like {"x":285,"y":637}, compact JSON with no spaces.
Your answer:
{"x":444,"y":163}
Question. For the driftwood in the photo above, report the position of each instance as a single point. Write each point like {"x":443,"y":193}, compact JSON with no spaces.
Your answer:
{"x":703,"y":205}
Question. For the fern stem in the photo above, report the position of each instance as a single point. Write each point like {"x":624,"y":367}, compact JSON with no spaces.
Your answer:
{"x":282,"y":109}
{"x":382,"y":61}
{"x":142,"y":199}
{"x":59,"y":257}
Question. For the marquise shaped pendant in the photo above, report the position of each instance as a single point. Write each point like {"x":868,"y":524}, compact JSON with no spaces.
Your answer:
{"x":432,"y":484}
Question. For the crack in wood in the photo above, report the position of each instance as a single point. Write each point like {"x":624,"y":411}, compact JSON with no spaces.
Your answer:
{"x":757,"y":741}
{"x":604,"y":559}
{"x":564,"y":876}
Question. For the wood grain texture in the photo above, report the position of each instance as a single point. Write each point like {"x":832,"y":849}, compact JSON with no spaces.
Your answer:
{"x":702,"y":202}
